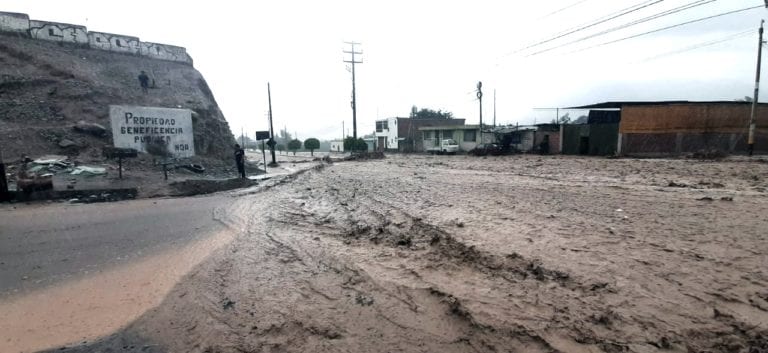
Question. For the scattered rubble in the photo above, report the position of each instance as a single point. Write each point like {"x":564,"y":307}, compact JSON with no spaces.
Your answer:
{"x":67,"y":143}
{"x":94,"y":129}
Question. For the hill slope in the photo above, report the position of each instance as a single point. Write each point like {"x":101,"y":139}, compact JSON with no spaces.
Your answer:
{"x":46,"y":88}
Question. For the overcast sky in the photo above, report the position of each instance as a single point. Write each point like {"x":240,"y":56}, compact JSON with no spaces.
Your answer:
{"x":432,"y":54}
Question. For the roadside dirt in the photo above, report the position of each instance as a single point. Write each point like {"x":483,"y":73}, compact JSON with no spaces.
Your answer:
{"x":497,"y":254}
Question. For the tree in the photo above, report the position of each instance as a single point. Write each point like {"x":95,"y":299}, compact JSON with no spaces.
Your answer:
{"x":352,"y":145}
{"x":247,"y":142}
{"x":427,"y":113}
{"x":283,"y":137}
{"x":280,"y":147}
{"x":294,"y":146}
{"x":311,"y":144}
{"x":565,"y":119}
{"x":581,"y":120}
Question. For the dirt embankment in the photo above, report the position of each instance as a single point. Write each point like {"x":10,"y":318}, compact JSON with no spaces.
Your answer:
{"x":54,"y":99}
{"x":504,"y":254}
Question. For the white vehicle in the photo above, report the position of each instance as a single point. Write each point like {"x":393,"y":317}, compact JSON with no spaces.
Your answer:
{"x":447,"y":146}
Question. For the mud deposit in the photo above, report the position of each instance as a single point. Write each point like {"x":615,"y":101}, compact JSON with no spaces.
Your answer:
{"x":200,"y":186}
{"x":460,"y":254}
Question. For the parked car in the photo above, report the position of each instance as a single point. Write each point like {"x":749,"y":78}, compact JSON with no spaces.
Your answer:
{"x":486,"y":149}
{"x":447,"y":146}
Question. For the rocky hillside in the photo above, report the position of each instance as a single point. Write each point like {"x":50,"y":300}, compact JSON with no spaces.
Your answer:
{"x":47,"y":88}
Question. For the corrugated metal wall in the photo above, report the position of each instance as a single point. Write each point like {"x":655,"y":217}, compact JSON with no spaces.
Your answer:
{"x":591,"y":139}
{"x":690,"y":118}
{"x":690,"y":127}
{"x":603,"y":139}
{"x":572,"y":135}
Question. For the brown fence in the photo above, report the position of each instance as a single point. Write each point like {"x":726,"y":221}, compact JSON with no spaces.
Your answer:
{"x":690,"y":127}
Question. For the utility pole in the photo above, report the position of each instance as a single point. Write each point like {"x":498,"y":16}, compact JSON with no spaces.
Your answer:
{"x":494,"y":106}
{"x":480,"y":98}
{"x":354,"y":98}
{"x":752,"y":120}
{"x":271,"y":130}
{"x":342,"y":131}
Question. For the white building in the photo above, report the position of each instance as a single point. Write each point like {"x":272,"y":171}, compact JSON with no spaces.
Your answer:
{"x":387,"y":134}
{"x":337,"y":146}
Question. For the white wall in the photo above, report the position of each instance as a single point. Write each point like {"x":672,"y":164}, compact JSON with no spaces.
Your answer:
{"x":337,"y":146}
{"x":390,"y":133}
{"x":14,"y":22}
{"x":58,"y":32}
{"x":69,"y":33}
{"x":165,"y":52}
{"x":392,"y":141}
{"x":114,"y":42}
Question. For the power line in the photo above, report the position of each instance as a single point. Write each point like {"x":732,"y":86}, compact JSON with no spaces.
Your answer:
{"x":563,"y":9}
{"x":688,"y":6}
{"x":615,"y":15}
{"x":700,"y":45}
{"x":669,"y":27}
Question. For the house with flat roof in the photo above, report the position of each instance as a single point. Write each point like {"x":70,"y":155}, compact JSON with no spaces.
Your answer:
{"x":403,"y":134}
{"x":466,"y":136}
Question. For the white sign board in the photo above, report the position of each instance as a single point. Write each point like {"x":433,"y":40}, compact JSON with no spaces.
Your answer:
{"x":139,"y":127}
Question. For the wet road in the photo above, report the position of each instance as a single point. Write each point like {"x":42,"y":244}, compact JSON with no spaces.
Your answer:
{"x":70,"y":273}
{"x":41,"y":245}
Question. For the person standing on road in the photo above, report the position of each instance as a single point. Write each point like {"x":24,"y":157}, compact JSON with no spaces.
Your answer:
{"x":144,"y":81}
{"x":240,"y":160}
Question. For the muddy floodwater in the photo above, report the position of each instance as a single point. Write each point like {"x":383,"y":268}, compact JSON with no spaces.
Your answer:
{"x":464,"y":254}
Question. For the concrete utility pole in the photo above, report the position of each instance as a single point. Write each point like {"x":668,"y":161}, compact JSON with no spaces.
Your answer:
{"x":480,"y":98}
{"x":271,"y":130}
{"x":752,"y":119}
{"x":354,"y":98}
{"x":342,"y":131}
{"x":494,"y":105}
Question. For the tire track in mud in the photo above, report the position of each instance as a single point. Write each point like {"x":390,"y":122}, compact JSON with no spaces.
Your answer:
{"x":327,"y":263}
{"x":370,"y":223}
{"x":412,"y":233}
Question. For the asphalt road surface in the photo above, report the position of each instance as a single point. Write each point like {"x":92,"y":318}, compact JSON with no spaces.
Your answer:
{"x":72,"y":272}
{"x":41,"y":245}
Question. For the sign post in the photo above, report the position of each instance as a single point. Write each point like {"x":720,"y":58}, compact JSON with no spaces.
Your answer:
{"x":119,"y":153}
{"x":263,"y":135}
{"x":4,"y":194}
{"x":264,"y":154}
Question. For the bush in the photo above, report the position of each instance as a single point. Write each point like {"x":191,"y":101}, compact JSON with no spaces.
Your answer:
{"x":352,"y":145}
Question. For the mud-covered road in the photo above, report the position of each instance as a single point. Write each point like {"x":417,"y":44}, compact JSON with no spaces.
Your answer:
{"x":462,"y":254}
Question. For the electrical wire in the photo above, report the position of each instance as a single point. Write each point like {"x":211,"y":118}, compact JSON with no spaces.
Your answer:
{"x":668,"y":27}
{"x":700,"y":45}
{"x":563,"y":9}
{"x":685,"y":7}
{"x":612,"y":16}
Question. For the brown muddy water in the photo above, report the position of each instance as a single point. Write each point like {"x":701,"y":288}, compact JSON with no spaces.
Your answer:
{"x":462,"y":254}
